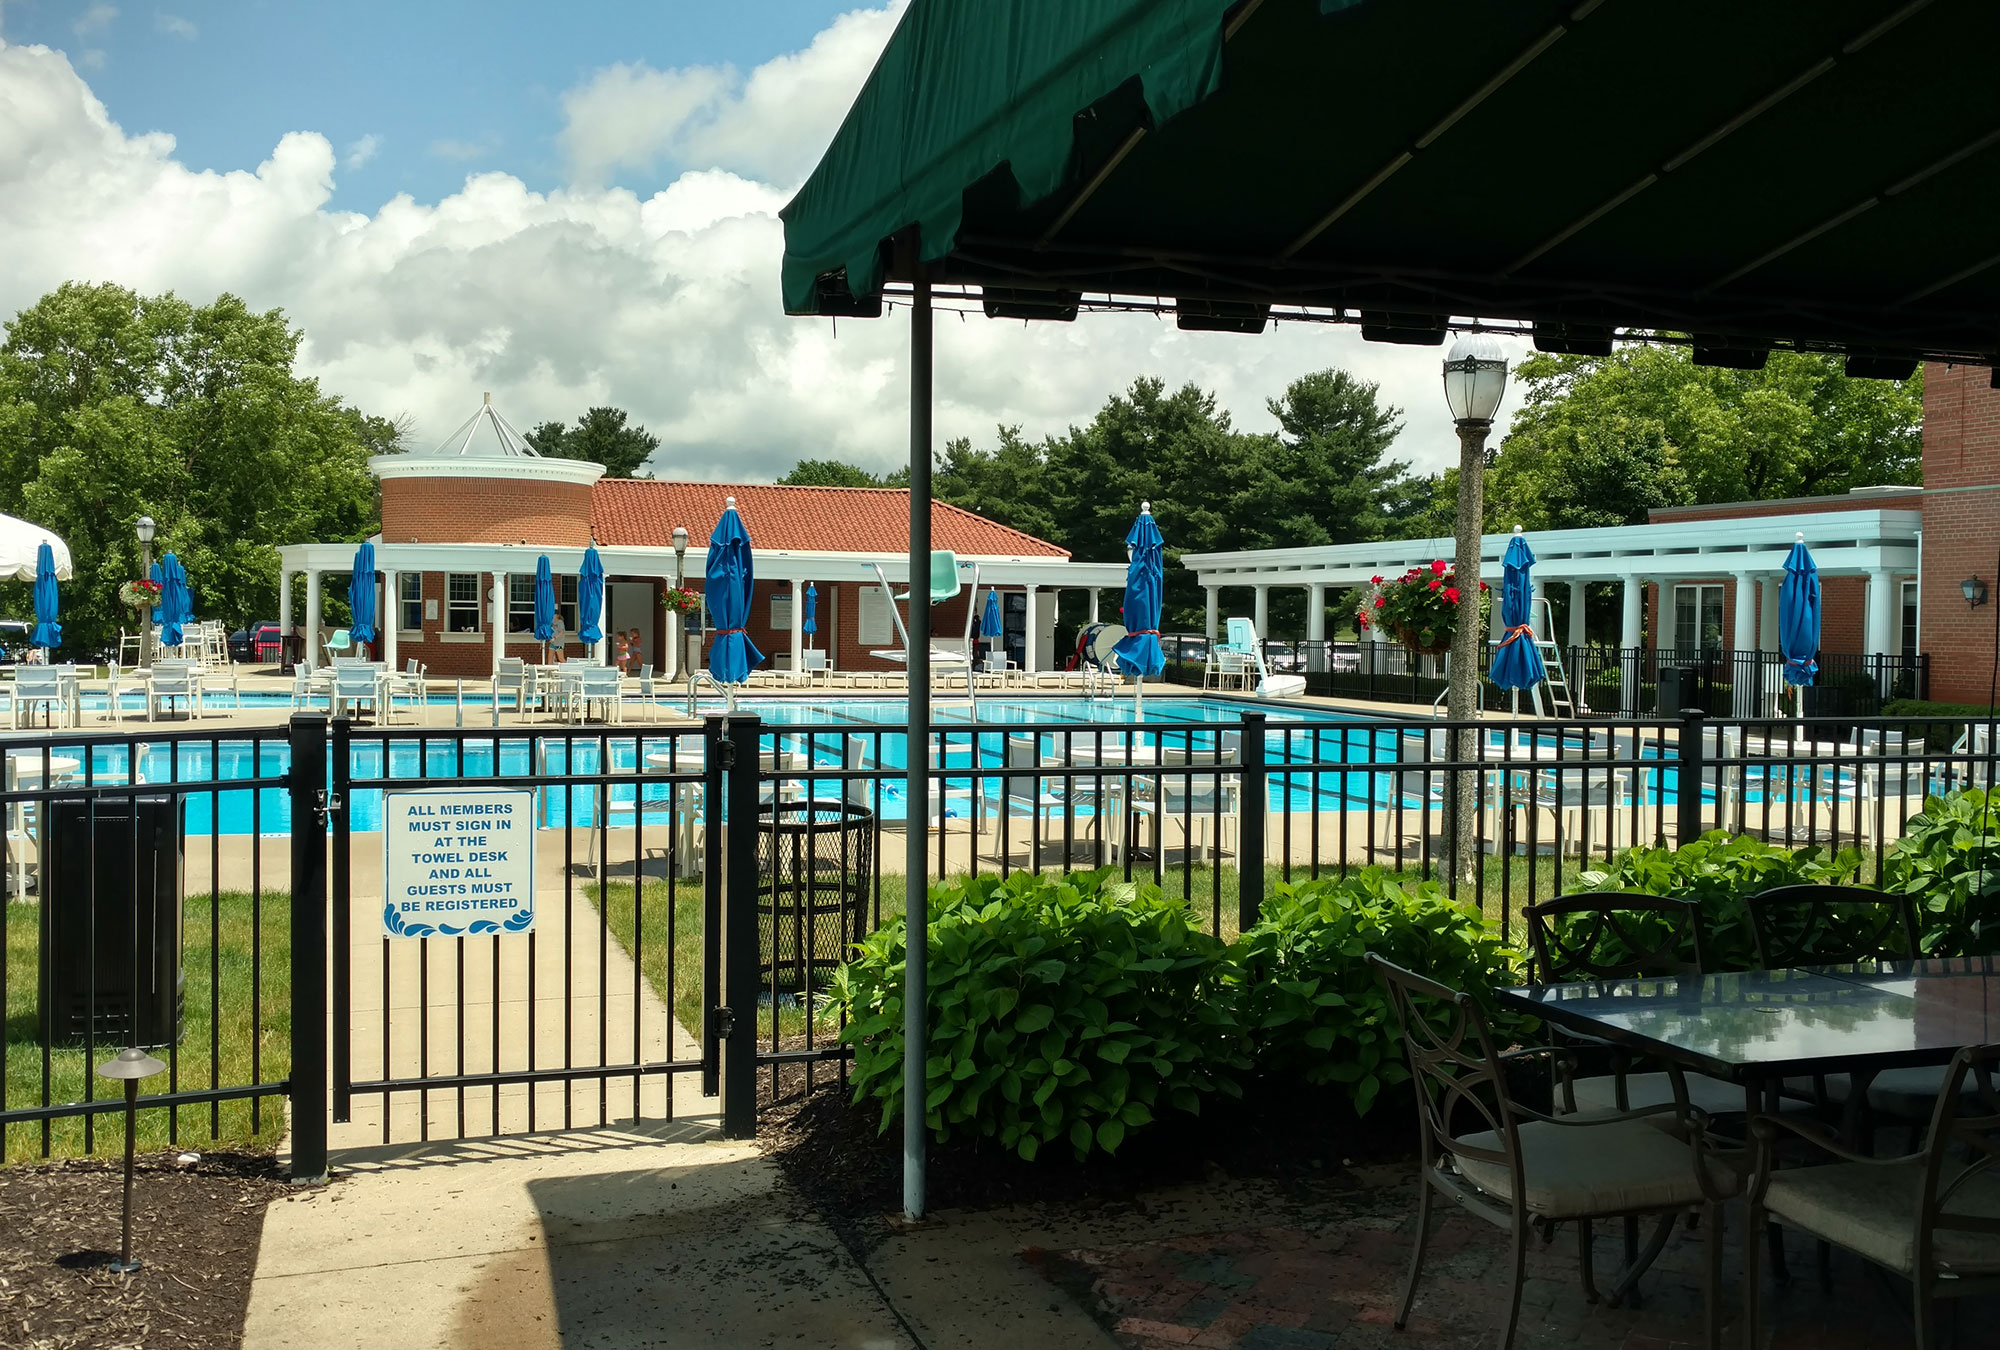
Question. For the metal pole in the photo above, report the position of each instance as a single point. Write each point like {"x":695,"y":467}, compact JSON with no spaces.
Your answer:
{"x":742,"y":763}
{"x":917,"y":795}
{"x":126,"y":1265}
{"x":1468,"y":638}
{"x":309,"y":1050}
{"x":145,"y":616}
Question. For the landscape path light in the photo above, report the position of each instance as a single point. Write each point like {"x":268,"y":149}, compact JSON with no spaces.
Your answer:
{"x":129,"y":1066}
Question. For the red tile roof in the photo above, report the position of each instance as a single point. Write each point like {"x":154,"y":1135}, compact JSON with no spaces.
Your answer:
{"x":641,"y":512}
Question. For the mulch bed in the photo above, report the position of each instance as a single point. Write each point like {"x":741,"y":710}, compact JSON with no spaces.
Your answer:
{"x":196,"y":1227}
{"x":833,"y":1155}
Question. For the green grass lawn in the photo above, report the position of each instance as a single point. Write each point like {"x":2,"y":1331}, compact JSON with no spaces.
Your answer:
{"x":218,"y":935}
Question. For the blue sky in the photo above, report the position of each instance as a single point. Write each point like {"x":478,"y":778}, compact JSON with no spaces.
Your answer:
{"x":446,"y":87}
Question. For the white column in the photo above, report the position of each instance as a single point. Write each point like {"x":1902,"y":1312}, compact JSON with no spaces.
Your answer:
{"x":285,"y":602}
{"x":1212,"y":601}
{"x":312,"y":619}
{"x":1746,"y":673}
{"x":1033,"y":632}
{"x":1262,"y":621}
{"x":798,"y":625}
{"x":1094,"y":594}
{"x":1880,"y":639}
{"x":496,"y":621}
{"x":1767,"y":613}
{"x":1631,"y":618}
{"x":1577,"y":632}
{"x":391,"y":612}
{"x":1316,"y":626}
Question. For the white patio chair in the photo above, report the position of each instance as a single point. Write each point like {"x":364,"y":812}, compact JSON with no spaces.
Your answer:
{"x":40,"y":687}
{"x":355,"y":686}
{"x":174,"y":682}
{"x":599,"y":686}
{"x":513,"y":679}
{"x":1194,"y":799}
{"x":303,"y":690}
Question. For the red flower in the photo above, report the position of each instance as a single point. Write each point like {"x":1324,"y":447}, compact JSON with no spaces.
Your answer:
{"x":1437,"y":568}
{"x":1364,"y":623}
{"x":1484,"y":587}
{"x":1435,"y":583}
{"x":1375,"y":581}
{"x":1380,"y":601}
{"x":1451,"y":594}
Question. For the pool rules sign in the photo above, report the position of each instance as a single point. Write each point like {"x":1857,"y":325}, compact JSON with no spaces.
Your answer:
{"x":460,"y":862}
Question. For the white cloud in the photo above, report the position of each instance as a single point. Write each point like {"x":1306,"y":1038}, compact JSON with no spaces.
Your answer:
{"x":95,"y":19}
{"x":173,"y":25}
{"x":773,"y":124}
{"x":666,"y":305}
{"x":455,"y":149}
{"x":361,"y":151}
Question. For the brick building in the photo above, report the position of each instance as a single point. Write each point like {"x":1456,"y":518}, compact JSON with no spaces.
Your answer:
{"x":463,"y":527}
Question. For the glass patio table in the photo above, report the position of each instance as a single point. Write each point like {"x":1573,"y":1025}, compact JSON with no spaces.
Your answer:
{"x":1759,"y":1027}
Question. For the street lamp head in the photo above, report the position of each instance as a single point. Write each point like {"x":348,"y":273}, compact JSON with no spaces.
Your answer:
{"x":1475,"y":376}
{"x":144,"y":527}
{"x":1974,"y":591}
{"x":680,"y":539}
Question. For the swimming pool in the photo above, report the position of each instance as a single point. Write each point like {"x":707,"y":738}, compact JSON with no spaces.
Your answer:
{"x":1357,"y":761}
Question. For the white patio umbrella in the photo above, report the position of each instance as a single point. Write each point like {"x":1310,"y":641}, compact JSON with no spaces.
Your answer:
{"x":19,"y":541}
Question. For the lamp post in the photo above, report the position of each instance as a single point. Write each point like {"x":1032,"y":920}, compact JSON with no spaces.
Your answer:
{"x":144,"y":529}
{"x":1475,"y":376}
{"x":129,"y":1066}
{"x":674,"y":639}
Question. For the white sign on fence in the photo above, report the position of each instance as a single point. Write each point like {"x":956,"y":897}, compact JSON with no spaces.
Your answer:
{"x":459,"y":861}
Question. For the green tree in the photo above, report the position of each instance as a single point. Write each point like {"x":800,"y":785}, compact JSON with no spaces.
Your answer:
{"x":115,"y":405}
{"x":839,"y":473}
{"x":602,"y":436}
{"x":1603,"y":440}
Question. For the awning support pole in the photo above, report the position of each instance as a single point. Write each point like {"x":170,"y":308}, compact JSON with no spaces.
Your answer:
{"x":917,"y":795}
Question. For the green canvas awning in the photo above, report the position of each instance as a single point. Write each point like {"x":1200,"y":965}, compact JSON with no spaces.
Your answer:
{"x":1824,"y":173}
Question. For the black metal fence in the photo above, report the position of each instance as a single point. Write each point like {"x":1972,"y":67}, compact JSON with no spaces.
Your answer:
{"x":670,"y":949}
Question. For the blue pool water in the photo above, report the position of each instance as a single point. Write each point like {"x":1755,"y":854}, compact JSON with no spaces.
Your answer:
{"x":831,"y":734}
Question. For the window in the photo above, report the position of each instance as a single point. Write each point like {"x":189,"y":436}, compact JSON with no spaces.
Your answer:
{"x":410,"y":616}
{"x":1697,"y":617}
{"x":1909,"y":624}
{"x":521,"y":603}
{"x":876,"y":630}
{"x":461,"y":602}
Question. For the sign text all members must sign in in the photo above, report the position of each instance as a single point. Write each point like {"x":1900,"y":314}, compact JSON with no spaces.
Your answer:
{"x":460,"y":861}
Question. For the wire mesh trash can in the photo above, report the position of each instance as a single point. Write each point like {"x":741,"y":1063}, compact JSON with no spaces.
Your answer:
{"x":814,"y":863}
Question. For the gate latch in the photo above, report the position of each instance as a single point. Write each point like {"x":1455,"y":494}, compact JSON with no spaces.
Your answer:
{"x":726,"y":754}
{"x":326,"y":801}
{"x":725,"y":1022}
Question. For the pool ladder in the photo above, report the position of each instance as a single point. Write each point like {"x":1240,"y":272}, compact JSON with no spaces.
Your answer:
{"x":700,"y":677}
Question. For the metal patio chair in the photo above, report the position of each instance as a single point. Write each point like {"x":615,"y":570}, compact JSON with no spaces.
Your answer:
{"x":1516,"y":1167}
{"x":1931,"y":1216}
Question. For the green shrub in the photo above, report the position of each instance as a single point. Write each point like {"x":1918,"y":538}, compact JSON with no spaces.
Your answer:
{"x":1315,"y":1010}
{"x":1938,"y":725}
{"x":1719,"y":871}
{"x":1061,"y":1008}
{"x":1949,"y":860}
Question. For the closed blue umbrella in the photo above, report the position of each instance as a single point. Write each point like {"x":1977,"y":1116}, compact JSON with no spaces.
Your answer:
{"x":1138,"y":652}
{"x":811,"y":624}
{"x":1798,"y":615}
{"x":1518,"y":662}
{"x":361,"y":596}
{"x":989,"y":622}
{"x":545,"y":600}
{"x":730,"y":579}
{"x":590,"y":598}
{"x":48,"y":633}
{"x":176,"y":605}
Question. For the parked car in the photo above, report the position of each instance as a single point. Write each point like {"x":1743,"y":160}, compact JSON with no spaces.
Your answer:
{"x":258,"y":642}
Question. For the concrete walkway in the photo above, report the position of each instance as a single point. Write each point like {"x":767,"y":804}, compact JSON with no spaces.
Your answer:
{"x":628,"y":1238}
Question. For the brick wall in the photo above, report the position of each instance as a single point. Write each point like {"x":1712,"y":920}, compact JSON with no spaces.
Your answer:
{"x":1961,"y":528}
{"x":1843,"y":610}
{"x":485,"y":511}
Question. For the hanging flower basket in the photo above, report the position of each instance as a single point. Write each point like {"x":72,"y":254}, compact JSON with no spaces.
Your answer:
{"x":1418,"y":609}
{"x":680,"y":601}
{"x":139,"y":594}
